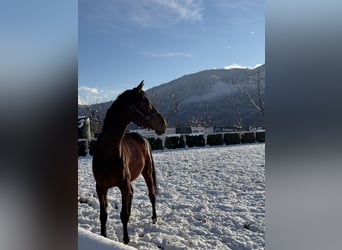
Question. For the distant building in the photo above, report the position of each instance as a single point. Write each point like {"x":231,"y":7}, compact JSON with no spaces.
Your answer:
{"x":183,"y":130}
{"x":144,"y":132}
{"x":228,"y":129}
{"x":151,"y":133}
{"x":194,"y":130}
{"x":252,"y":128}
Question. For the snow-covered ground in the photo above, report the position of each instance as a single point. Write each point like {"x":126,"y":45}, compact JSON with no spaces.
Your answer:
{"x":90,"y":241}
{"x":210,"y":198}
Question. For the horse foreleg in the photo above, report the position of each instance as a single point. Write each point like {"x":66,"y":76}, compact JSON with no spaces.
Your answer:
{"x":102,"y":195}
{"x":127,"y":195}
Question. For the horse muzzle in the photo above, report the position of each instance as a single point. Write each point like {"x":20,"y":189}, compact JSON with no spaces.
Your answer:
{"x":160,"y":126}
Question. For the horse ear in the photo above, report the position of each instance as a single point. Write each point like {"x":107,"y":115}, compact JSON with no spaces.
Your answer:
{"x":140,"y":86}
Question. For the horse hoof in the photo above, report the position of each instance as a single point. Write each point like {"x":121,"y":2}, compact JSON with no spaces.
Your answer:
{"x":154,"y":220}
{"x":126,"y":240}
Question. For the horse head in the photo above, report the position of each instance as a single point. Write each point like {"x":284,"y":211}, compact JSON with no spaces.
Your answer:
{"x":143,"y":113}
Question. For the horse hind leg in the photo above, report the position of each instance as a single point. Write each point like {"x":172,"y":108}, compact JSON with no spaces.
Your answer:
{"x":102,"y":196}
{"x":127,"y":196}
{"x":153,"y":202}
{"x":151,"y":185}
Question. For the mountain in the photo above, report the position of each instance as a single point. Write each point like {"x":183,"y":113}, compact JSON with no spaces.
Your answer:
{"x":217,"y":97}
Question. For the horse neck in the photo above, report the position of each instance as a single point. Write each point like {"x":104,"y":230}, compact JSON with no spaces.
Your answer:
{"x":113,"y":129}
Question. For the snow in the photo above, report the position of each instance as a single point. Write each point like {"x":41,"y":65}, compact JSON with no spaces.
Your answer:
{"x":209,"y":198}
{"x":91,"y":241}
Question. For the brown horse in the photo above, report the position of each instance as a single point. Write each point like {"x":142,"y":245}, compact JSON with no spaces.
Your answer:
{"x":120,"y":158}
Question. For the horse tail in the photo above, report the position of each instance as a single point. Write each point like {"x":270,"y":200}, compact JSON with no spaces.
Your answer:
{"x":154,"y":176}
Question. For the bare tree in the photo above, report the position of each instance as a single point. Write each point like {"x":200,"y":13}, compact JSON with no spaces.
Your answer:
{"x":95,"y":120}
{"x":257,"y":78}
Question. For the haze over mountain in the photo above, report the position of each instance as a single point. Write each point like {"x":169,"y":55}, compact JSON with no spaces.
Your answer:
{"x":216,"y":97}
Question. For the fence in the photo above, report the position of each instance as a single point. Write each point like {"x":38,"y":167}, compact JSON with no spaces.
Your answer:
{"x":86,"y":147}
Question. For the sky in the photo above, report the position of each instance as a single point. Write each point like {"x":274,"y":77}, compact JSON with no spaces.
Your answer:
{"x":123,"y":42}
